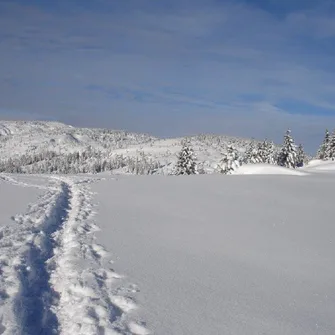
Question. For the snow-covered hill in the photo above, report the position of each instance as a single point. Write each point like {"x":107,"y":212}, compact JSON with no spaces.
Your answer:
{"x":25,"y":137}
{"x":35,"y":147}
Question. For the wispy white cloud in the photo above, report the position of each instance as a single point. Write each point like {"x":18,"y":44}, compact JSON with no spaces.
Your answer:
{"x":204,"y":63}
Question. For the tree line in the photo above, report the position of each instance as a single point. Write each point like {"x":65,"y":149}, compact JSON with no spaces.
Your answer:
{"x":289,"y":155}
{"x":89,"y":161}
{"x":94,"y":161}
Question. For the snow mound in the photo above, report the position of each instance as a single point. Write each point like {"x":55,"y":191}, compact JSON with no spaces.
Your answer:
{"x":314,"y":162}
{"x":319,"y":165}
{"x":268,"y":169}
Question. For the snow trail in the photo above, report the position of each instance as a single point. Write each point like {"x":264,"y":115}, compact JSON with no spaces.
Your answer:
{"x":24,"y":284}
{"x":55,"y":279}
{"x":84,"y":306}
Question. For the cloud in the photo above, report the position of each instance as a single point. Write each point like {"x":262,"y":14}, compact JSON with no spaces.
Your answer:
{"x":171,"y":67}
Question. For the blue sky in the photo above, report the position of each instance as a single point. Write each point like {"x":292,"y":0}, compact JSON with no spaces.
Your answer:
{"x":246,"y":67}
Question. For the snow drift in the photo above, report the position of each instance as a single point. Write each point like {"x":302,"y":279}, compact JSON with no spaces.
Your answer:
{"x":319,"y":165}
{"x":268,"y":169}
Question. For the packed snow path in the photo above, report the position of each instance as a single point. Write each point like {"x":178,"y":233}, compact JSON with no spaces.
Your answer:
{"x":54,"y":278}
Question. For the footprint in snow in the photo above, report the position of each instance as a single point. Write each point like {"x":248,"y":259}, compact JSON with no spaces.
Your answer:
{"x":138,"y":329}
{"x":99,"y":251}
{"x":126,"y":304}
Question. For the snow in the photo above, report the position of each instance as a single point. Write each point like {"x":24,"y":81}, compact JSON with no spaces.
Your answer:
{"x":55,"y":276}
{"x":139,"y":255}
{"x":14,"y":204}
{"x":216,"y":254}
{"x":319,"y":165}
{"x":315,"y":162}
{"x":268,"y":169}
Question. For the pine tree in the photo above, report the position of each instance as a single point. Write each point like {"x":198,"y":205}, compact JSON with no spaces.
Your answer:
{"x":266,"y":152}
{"x":288,"y":154}
{"x":252,"y":155}
{"x":229,"y":162}
{"x":330,"y":149}
{"x":323,"y":150}
{"x":301,"y":156}
{"x":263,"y":152}
{"x":186,"y":163}
{"x":270,"y":153}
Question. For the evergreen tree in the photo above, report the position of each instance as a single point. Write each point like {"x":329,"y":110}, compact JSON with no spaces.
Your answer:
{"x":288,"y":154}
{"x":330,"y":149}
{"x":266,"y":152}
{"x":271,"y":153}
{"x":301,"y":156}
{"x":229,"y":162}
{"x":263,"y":152}
{"x":186,"y":163}
{"x":323,"y":150}
{"x":252,"y":155}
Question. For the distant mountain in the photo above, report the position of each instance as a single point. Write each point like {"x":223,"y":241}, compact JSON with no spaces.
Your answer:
{"x":52,"y":147}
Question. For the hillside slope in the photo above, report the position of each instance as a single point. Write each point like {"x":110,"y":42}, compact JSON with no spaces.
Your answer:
{"x":39,"y":147}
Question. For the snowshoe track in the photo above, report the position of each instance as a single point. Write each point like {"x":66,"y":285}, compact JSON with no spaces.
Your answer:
{"x":54,"y":278}
{"x":25,"y":276}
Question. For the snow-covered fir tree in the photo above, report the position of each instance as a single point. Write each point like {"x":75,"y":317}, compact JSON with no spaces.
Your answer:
{"x":186,"y":164}
{"x":230,"y":161}
{"x":270,"y":153}
{"x":288,"y":154}
{"x":263,"y":152}
{"x":301,"y":156}
{"x":266,"y":152}
{"x":330,"y":149}
{"x":252,"y":155}
{"x":323,"y":150}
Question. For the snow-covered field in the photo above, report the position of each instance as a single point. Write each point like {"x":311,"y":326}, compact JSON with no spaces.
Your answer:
{"x":204,"y":254}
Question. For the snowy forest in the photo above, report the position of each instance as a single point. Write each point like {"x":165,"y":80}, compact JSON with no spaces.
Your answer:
{"x":288,"y":155}
{"x":120,"y":152}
